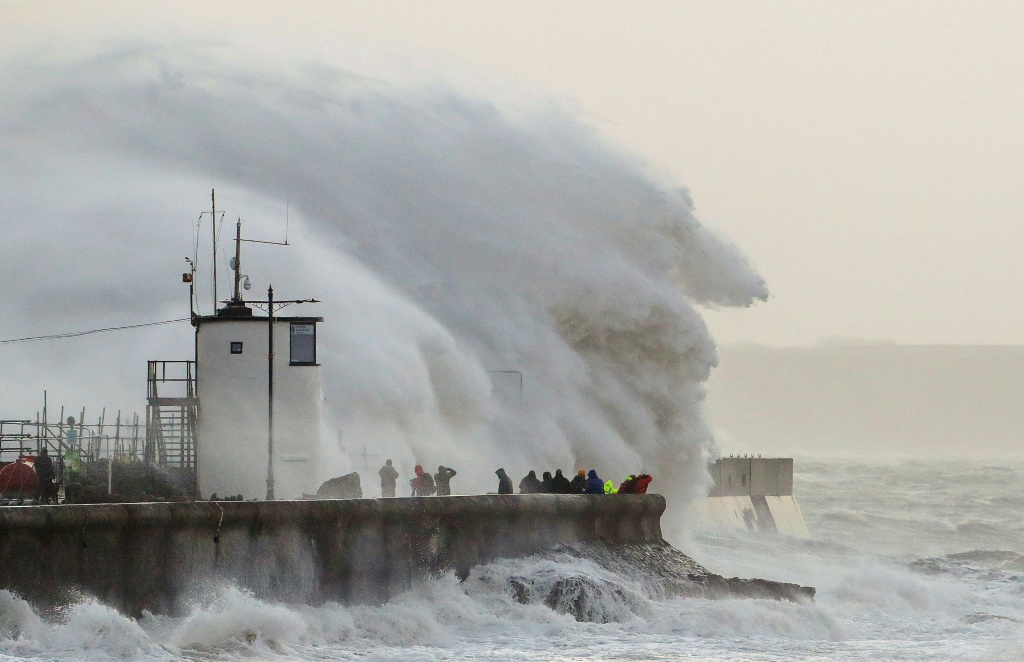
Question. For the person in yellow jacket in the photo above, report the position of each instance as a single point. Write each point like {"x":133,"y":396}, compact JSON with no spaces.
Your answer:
{"x":609,"y":487}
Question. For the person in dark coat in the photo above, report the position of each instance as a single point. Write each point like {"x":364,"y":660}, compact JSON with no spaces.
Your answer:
{"x":578,"y":485}
{"x":560,"y":484}
{"x":443,"y":479}
{"x":388,"y":478}
{"x":545,"y":485}
{"x":594,"y":484}
{"x":44,"y":474}
{"x":529,"y":484}
{"x":628,"y":486}
{"x":423,"y":483}
{"x":504,"y":482}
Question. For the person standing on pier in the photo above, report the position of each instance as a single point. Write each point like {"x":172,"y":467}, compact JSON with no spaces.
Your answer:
{"x":530,"y":484}
{"x":44,"y":475}
{"x":504,"y":482}
{"x":443,"y":479}
{"x":388,"y":479}
{"x":560,"y":484}
{"x":423,"y":483}
{"x":578,"y":485}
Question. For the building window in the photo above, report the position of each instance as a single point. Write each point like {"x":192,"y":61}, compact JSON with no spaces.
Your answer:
{"x":303,"y":343}
{"x":236,"y":347}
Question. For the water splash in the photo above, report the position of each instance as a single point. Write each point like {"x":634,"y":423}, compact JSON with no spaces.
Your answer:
{"x":450,"y":236}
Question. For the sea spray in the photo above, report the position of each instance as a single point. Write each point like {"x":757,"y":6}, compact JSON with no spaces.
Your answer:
{"x":453,"y":239}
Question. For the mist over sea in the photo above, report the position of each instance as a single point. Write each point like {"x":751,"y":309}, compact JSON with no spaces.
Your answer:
{"x":912,"y":561}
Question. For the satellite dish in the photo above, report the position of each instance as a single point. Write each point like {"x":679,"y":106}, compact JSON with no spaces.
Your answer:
{"x":233,"y":263}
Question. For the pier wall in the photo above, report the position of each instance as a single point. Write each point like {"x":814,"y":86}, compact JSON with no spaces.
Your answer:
{"x":161,"y":556}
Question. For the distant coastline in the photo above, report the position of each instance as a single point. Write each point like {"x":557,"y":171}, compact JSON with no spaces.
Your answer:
{"x":869,"y":398}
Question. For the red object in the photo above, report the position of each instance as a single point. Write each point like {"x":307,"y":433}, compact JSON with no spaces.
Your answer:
{"x":642,"y":481}
{"x":18,"y":478}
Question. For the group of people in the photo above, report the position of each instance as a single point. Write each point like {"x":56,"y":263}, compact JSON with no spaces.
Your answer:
{"x":422,"y":484}
{"x":582,"y":483}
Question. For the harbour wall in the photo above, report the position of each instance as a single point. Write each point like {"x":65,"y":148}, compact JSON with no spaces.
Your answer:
{"x":162,"y":556}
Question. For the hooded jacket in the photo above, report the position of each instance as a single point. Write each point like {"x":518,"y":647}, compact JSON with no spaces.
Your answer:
{"x":642,"y":481}
{"x":545,"y":485}
{"x":443,"y":479}
{"x":594,"y":484}
{"x":628,"y":486}
{"x":504,"y":482}
{"x":609,"y":487}
{"x":529,"y":484}
{"x":560,"y":484}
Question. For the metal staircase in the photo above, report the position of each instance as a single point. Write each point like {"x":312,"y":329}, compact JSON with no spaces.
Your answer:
{"x":171,"y":415}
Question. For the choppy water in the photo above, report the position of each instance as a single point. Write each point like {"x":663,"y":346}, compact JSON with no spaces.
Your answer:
{"x":913,"y":560}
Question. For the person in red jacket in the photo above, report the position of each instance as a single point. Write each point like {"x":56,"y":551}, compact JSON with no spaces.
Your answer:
{"x":423,"y":483}
{"x":642,"y":481}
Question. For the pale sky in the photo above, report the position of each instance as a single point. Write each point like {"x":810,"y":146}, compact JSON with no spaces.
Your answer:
{"x":866,"y":156}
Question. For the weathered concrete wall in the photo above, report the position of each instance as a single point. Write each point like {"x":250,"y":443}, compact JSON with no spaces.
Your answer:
{"x":752,"y":476}
{"x":769,"y":514}
{"x":156,"y":556}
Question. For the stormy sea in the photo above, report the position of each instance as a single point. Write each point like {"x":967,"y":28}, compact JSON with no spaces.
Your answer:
{"x":912,"y":560}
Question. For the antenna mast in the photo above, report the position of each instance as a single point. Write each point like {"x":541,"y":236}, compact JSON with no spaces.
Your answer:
{"x":238,"y":261}
{"x":213,"y":226}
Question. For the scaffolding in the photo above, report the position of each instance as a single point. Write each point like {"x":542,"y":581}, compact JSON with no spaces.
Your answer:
{"x":160,"y":448}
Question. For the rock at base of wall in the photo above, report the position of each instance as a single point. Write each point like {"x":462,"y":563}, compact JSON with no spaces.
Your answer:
{"x":342,"y":487}
{"x":635,"y":573}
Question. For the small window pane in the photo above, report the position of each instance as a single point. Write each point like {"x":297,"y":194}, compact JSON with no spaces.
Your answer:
{"x":236,"y":347}
{"x":303,"y":343}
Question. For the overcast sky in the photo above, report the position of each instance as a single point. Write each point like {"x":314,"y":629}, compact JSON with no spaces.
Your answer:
{"x":867,"y":157}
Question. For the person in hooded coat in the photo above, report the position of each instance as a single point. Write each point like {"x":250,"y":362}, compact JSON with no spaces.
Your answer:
{"x":628,"y":486}
{"x":443,"y":479}
{"x":44,"y":474}
{"x":529,"y":484}
{"x":504,"y":482}
{"x":642,"y":481}
{"x":579,"y":483}
{"x":594,"y":484}
{"x":388,"y":479}
{"x":545,"y":485}
{"x":560,"y":484}
{"x":423,"y":483}
{"x":609,"y":487}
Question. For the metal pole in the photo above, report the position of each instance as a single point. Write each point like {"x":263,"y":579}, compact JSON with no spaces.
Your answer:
{"x":213,"y":226}
{"x":238,"y":261}
{"x":270,"y":393}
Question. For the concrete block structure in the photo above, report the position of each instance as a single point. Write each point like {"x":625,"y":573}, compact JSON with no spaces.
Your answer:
{"x":753,"y":493}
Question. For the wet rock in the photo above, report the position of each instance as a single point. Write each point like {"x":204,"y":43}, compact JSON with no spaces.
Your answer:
{"x":984,"y":616}
{"x":342,"y":487}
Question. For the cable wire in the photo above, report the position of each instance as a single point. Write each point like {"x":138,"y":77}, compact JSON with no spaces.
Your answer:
{"x":75,"y":334}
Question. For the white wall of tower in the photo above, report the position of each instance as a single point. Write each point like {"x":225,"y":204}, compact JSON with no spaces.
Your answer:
{"x":232,"y":390}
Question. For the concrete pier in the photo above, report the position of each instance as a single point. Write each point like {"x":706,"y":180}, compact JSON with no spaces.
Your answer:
{"x":158,"y":556}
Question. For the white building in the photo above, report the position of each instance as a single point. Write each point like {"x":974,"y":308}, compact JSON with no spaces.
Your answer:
{"x":232,"y":389}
